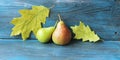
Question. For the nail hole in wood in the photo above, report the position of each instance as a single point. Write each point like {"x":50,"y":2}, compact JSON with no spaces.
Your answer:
{"x":116,"y":33}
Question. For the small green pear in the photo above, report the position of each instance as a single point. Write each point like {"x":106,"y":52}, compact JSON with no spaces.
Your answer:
{"x":44,"y":34}
{"x":61,"y":35}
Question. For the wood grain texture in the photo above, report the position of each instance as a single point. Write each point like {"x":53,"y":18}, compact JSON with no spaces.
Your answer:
{"x":101,"y":15}
{"x":29,"y":50}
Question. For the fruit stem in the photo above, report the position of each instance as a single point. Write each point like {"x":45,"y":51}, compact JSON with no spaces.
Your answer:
{"x":59,"y":17}
{"x":56,"y":23}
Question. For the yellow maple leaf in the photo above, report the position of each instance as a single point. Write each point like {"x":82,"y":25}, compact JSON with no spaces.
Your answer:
{"x":84,"y":32}
{"x":30,"y":21}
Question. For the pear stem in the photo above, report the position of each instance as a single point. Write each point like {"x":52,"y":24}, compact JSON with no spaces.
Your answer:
{"x":56,"y":23}
{"x":59,"y":17}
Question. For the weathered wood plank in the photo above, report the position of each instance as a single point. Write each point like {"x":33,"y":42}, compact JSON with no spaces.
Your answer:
{"x":32,"y":49}
{"x":102,"y":15}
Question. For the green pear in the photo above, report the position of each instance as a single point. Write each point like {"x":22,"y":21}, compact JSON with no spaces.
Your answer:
{"x":61,"y":35}
{"x":44,"y":34}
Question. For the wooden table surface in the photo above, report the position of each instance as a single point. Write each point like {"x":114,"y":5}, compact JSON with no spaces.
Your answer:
{"x":103,"y":16}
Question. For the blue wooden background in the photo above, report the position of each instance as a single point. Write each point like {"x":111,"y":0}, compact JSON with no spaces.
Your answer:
{"x":103,"y":16}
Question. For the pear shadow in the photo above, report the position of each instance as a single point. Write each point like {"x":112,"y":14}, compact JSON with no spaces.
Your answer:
{"x":74,"y":41}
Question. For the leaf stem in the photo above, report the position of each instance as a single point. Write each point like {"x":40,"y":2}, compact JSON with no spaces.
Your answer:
{"x":52,"y":6}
